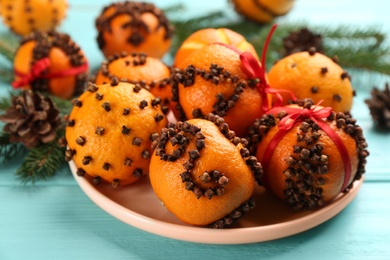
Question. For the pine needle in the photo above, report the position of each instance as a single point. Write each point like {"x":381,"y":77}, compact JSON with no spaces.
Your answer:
{"x":5,"y":102}
{"x":41,"y":162}
{"x":173,"y":9}
{"x":10,"y":150}
{"x":8,"y":45}
{"x":6,"y":74}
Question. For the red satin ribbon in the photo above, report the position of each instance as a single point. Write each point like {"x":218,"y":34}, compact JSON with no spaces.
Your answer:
{"x":38,"y":72}
{"x":296,"y":116}
{"x":255,"y":71}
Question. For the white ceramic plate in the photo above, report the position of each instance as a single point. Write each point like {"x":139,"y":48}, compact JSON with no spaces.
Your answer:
{"x":271,"y":219}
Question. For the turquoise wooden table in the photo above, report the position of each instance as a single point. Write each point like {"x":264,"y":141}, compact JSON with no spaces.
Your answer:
{"x":54,"y":219}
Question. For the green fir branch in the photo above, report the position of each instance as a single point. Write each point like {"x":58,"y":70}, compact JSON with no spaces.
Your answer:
{"x":5,"y":103}
{"x":8,"y":45}
{"x":356,"y":48}
{"x":174,"y":9}
{"x":41,"y":162}
{"x":9,"y":150}
{"x":6,"y":74}
{"x":364,"y":49}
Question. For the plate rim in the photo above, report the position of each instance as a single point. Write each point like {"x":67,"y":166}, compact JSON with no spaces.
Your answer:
{"x":242,"y":235}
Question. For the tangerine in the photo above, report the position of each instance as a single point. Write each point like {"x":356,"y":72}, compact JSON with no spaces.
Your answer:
{"x":190,"y":174}
{"x":150,"y":73}
{"x":313,"y":75}
{"x":52,"y":62}
{"x":211,"y":79}
{"x":133,"y":27}
{"x":24,"y":17}
{"x":110,"y":131}
{"x":262,"y":11}
{"x":311,"y":164}
{"x":206,"y":36}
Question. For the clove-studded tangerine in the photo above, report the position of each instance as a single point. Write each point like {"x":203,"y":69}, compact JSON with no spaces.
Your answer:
{"x":141,"y":70}
{"x":262,"y":11}
{"x":211,"y":80}
{"x":24,"y":17}
{"x":110,"y":132}
{"x":221,"y":79}
{"x":203,"y":173}
{"x":50,"y":62}
{"x":133,"y":27}
{"x":310,"y":74}
{"x":310,"y":153}
{"x":206,"y":36}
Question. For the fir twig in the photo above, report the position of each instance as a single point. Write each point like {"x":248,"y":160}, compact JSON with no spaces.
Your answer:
{"x":8,"y":46}
{"x":173,"y":9}
{"x":10,"y":150}
{"x":6,"y":74}
{"x":41,"y":162}
{"x":357,"y":48}
{"x":5,"y":102}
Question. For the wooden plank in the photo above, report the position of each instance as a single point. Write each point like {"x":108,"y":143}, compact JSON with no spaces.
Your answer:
{"x":55,"y":218}
{"x":60,"y":220}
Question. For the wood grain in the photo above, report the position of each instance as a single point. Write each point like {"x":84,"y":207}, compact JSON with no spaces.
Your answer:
{"x":54,"y":219}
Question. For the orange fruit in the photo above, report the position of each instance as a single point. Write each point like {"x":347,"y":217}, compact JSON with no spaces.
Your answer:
{"x":211,"y":79}
{"x":190,"y":174}
{"x":133,"y":27}
{"x":63,"y":55}
{"x":150,"y":73}
{"x":24,"y":17}
{"x":303,"y":166}
{"x":262,"y":11}
{"x":110,"y":131}
{"x":313,"y":75}
{"x":206,"y":36}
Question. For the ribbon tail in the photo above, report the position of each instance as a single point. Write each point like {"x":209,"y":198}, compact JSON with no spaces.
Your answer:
{"x":341,"y":148}
{"x":21,"y":82}
{"x":251,"y":66}
{"x":69,"y":72}
{"x":279,"y":96}
{"x":267,"y":41}
{"x":264,"y":104}
{"x":279,"y":100}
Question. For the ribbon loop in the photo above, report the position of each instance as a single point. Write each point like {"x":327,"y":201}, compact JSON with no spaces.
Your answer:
{"x":257,"y":72}
{"x":297,"y":115}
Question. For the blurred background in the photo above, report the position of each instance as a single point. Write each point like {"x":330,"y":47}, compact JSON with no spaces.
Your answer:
{"x":355,"y":15}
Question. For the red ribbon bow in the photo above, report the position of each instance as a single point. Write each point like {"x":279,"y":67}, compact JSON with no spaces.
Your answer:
{"x":256,"y":71}
{"x":38,"y":72}
{"x":297,"y":115}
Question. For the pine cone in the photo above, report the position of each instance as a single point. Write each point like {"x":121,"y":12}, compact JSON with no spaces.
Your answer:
{"x":379,"y":106}
{"x":302,"y":40}
{"x":32,"y":119}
